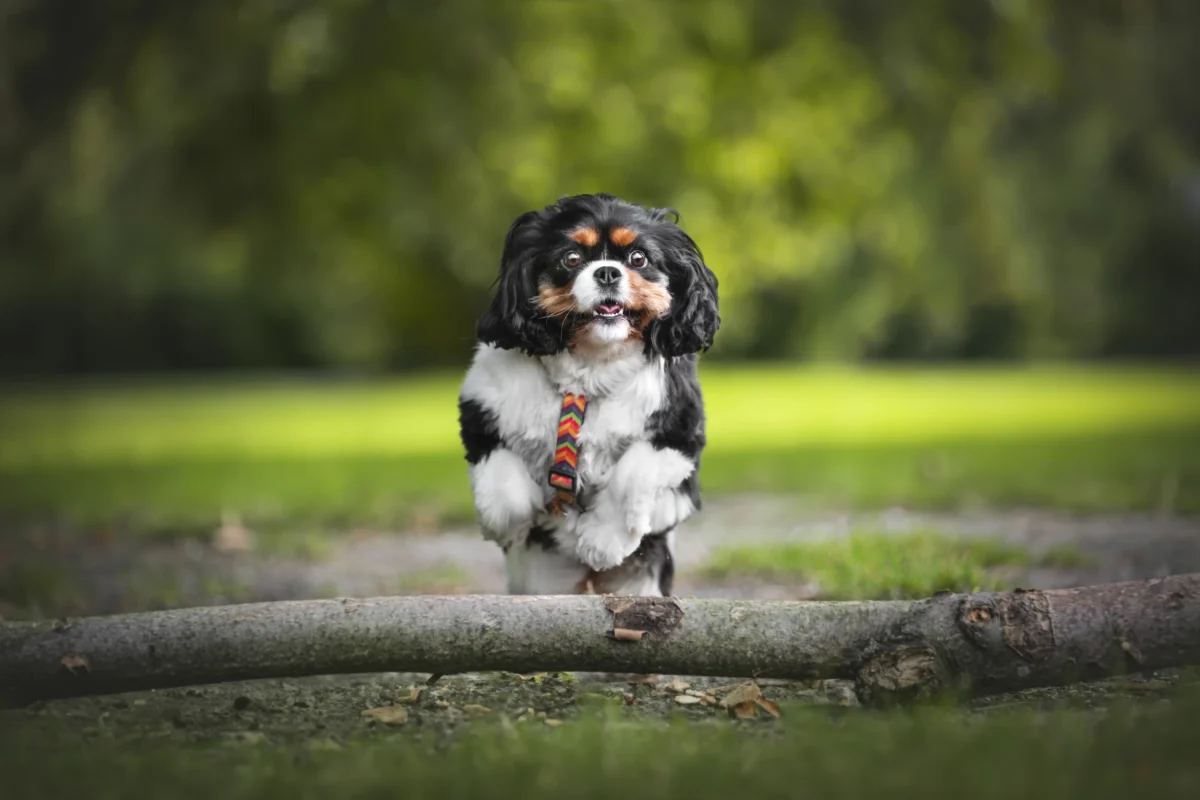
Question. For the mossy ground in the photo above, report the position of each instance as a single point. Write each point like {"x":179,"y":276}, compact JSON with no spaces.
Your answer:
{"x":546,"y":736}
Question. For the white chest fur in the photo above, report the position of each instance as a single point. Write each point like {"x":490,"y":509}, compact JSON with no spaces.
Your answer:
{"x":622,"y":386}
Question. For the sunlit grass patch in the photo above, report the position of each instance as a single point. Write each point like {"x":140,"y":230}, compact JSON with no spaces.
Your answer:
{"x":777,"y":407}
{"x":170,"y":459}
{"x":749,"y":408}
{"x":881,"y":566}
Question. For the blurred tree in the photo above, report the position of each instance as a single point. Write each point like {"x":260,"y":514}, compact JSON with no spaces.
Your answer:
{"x":326,"y":183}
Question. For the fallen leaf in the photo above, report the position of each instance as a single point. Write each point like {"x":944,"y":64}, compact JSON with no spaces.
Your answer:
{"x":554,"y":723}
{"x":537,"y":676}
{"x":441,"y":704}
{"x":746,"y":693}
{"x":627,"y":635}
{"x":677,"y":686}
{"x":769,"y":707}
{"x":388,"y":715}
{"x":232,"y":536}
{"x":708,"y":699}
{"x":694,"y":692}
{"x":414,"y":694}
{"x":648,"y":680}
{"x":75,"y":664}
{"x":474,"y":708}
{"x":747,"y":710}
{"x":687,"y":700}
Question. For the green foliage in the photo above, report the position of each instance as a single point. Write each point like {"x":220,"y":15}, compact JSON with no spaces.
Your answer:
{"x":880,"y":566}
{"x":328,"y":183}
{"x":170,"y":459}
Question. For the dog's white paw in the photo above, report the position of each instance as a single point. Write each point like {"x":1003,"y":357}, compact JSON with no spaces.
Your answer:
{"x":506,"y":498}
{"x":603,"y":542}
{"x":645,"y":482}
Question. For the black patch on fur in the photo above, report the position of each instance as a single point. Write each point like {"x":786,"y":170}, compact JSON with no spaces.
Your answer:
{"x":680,"y":422}
{"x":692,"y":323}
{"x":653,"y":557}
{"x":666,"y":570}
{"x":541,"y":537}
{"x":513,"y":321}
{"x":477,"y":429}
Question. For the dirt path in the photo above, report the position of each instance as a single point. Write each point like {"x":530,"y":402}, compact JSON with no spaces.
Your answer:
{"x":63,"y":577}
{"x":59,"y":576}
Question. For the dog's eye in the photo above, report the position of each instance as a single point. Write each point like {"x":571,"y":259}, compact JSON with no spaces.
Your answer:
{"x":637,"y":259}
{"x":572,"y":259}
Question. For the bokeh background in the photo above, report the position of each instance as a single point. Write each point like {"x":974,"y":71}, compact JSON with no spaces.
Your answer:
{"x":243,"y":246}
{"x":325,"y":184}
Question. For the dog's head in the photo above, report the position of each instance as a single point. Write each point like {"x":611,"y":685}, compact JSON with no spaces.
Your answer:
{"x":592,"y":271}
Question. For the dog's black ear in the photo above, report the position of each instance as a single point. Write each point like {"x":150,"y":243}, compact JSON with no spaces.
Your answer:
{"x":693,"y":319}
{"x":513,"y":321}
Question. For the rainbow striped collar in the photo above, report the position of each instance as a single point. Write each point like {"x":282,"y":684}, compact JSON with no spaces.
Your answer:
{"x":563,"y":476}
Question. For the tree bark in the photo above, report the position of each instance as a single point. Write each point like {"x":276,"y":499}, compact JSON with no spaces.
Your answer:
{"x":976,"y":644}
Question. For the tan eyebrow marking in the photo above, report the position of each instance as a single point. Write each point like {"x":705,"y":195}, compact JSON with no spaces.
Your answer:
{"x":622,"y":237}
{"x":588,"y":237}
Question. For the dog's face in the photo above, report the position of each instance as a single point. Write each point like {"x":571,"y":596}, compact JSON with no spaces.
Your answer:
{"x":592,"y":271}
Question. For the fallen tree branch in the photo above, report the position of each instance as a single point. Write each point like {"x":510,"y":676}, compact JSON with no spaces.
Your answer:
{"x":978,"y":643}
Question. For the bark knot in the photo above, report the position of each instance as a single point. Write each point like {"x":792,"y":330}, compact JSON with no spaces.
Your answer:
{"x":900,"y":675}
{"x":1019,"y":620}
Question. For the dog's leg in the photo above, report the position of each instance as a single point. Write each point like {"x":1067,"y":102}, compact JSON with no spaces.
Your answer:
{"x":536,"y":567}
{"x":644,"y":494}
{"x":506,"y":498}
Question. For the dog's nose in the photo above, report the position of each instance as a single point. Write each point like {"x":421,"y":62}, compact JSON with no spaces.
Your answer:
{"x":608,"y":276}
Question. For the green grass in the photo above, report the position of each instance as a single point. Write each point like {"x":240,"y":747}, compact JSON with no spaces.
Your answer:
{"x":167,"y":458}
{"x":879,"y":566}
{"x":1068,"y":754}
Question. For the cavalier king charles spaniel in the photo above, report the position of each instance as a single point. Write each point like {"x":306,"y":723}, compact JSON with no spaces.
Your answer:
{"x":581,"y":413}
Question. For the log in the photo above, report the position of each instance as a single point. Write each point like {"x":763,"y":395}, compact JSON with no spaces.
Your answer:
{"x":975,"y":644}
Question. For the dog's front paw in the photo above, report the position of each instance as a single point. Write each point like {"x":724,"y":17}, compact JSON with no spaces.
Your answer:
{"x":506,"y":498}
{"x":603,"y":542}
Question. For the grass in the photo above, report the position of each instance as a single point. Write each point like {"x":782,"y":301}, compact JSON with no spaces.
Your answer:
{"x":166,"y":458}
{"x":880,"y":566}
{"x":1068,"y":754}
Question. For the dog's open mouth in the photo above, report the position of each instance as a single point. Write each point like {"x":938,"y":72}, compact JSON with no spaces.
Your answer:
{"x":608,"y":311}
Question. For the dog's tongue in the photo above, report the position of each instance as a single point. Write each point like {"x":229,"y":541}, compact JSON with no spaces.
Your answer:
{"x":610,"y":308}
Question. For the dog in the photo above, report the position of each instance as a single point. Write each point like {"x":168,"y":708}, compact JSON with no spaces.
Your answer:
{"x":581,"y":413}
